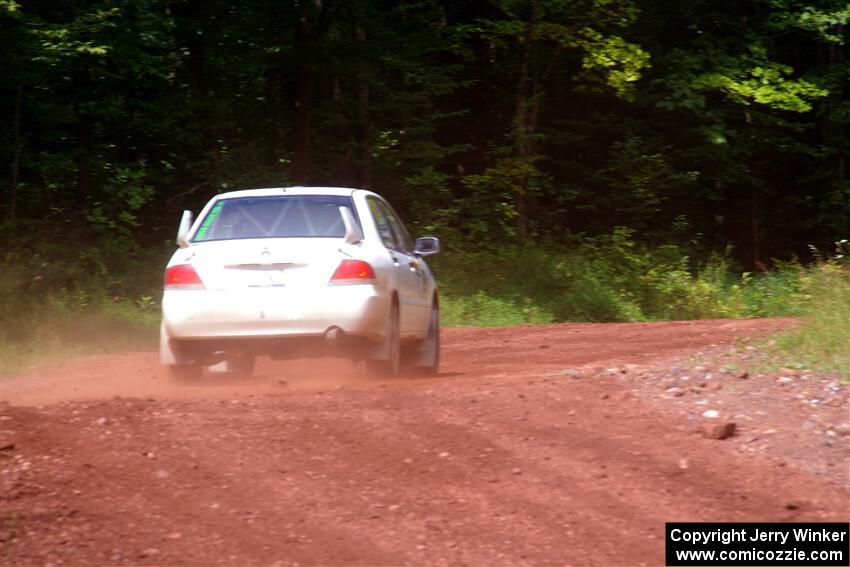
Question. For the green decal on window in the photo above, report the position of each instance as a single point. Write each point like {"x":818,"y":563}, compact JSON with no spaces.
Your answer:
{"x":208,"y":221}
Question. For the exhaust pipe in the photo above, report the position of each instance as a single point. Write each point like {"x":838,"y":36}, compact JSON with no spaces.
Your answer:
{"x":334,"y":335}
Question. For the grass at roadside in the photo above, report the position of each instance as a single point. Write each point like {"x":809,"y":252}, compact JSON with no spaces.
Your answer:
{"x":59,"y":331}
{"x":822,"y":341}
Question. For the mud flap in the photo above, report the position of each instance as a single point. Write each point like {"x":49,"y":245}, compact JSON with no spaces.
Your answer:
{"x":167,"y":355}
{"x":379,"y":350}
{"x":427,"y":353}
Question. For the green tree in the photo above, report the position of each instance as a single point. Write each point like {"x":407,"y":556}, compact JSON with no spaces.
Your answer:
{"x":539,"y":46}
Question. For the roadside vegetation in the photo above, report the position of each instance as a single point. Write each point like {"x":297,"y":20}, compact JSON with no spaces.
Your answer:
{"x":613,"y":278}
{"x":602,"y":279}
{"x":823,"y":339}
{"x":65,"y":325}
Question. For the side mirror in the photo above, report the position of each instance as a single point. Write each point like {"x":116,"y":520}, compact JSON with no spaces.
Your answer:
{"x":353,"y":234}
{"x":183,"y":231}
{"x":426,"y":246}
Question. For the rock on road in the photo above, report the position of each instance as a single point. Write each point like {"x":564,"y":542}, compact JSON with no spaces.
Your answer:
{"x":503,"y":459}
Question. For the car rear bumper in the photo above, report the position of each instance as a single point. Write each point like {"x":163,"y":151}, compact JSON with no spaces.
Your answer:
{"x":358,"y":310}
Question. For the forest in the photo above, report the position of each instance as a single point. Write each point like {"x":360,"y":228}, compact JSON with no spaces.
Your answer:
{"x":580,"y":159}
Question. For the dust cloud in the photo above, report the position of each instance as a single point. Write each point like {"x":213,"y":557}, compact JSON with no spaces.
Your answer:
{"x":139,"y":375}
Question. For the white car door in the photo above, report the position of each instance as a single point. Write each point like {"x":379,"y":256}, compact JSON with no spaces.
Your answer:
{"x":407,"y":281}
{"x":420,"y":301}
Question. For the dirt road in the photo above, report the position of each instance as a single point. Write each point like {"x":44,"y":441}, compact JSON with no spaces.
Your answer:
{"x":538,"y":445}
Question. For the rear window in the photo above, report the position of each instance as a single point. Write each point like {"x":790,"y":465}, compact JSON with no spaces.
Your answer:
{"x":287,"y":216}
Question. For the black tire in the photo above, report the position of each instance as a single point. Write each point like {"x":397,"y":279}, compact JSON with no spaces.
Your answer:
{"x":390,"y":366}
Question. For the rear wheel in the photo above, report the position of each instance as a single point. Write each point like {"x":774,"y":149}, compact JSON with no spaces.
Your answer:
{"x":392,"y":347}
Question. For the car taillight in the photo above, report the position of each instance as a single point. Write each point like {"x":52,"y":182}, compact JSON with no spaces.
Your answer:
{"x":353,"y":271}
{"x":182,"y":276}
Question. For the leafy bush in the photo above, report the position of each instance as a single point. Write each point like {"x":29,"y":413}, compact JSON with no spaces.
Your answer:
{"x":485,"y":310}
{"x":68,"y":324}
{"x":54,"y":307}
{"x":612,"y":278}
{"x":774,"y":293}
{"x":608,"y":278}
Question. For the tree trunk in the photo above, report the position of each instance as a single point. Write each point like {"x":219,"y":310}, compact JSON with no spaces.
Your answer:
{"x":303,"y":115}
{"x":755,"y":227}
{"x":361,"y":132}
{"x":315,"y":19}
{"x":836,"y":98}
{"x":833,"y":132}
{"x":524,"y":124}
{"x":16,"y":153}
{"x":82,"y":157}
{"x":197,"y":55}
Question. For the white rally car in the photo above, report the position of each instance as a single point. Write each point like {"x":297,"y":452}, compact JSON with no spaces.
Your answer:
{"x":298,"y":272}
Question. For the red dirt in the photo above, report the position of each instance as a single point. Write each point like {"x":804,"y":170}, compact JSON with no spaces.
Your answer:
{"x":537,"y":445}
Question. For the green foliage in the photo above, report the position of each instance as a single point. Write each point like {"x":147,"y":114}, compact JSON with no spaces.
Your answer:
{"x":619,"y":62}
{"x":124,"y":196}
{"x":747,"y":78}
{"x":480,"y":309}
{"x":38,"y":325}
{"x":824,"y":20}
{"x":581,"y":116}
{"x":487,"y":209}
{"x":68,"y":40}
{"x":772,"y":294}
{"x":73,"y":326}
{"x":752,"y":78}
{"x":613,"y":278}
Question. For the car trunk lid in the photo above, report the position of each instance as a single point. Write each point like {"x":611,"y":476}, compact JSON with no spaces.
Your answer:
{"x":266,"y":262}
